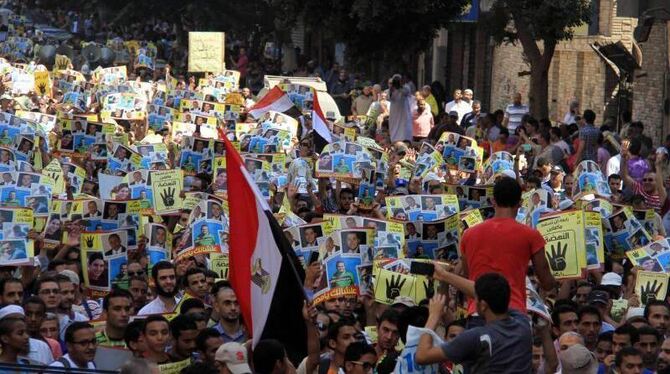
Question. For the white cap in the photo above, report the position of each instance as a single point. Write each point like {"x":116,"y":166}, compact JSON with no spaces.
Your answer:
{"x":661,"y":150}
{"x":74,"y":278}
{"x":611,"y":279}
{"x":234,"y":355}
{"x":11,"y":309}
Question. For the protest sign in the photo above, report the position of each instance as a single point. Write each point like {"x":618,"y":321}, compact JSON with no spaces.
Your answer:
{"x":564,"y":234}
{"x":206,"y":52}
{"x":651,"y":286}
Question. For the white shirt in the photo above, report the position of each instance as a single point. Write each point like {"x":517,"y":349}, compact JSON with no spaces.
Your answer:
{"x":56,"y":364}
{"x":39,"y":352}
{"x":514,"y":115}
{"x":156,"y":306}
{"x":614,"y":165}
{"x":461,"y":107}
{"x":64,"y":321}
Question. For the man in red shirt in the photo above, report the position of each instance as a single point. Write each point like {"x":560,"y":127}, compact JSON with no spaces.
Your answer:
{"x":503,"y":245}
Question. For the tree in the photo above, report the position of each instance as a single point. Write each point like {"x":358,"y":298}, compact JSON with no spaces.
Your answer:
{"x":386,"y":30}
{"x":531,"y":22}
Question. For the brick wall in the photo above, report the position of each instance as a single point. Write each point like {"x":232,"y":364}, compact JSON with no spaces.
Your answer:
{"x":648,"y":87}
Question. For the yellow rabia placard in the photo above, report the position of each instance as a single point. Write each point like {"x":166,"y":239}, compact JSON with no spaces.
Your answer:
{"x":564,"y":234}
{"x":219,"y":264}
{"x":42,"y":83}
{"x":55,"y":171}
{"x":424,"y":288}
{"x":650,"y":285}
{"x":174,"y":367}
{"x":391,"y":285}
{"x":166,"y":186}
{"x":206,"y":52}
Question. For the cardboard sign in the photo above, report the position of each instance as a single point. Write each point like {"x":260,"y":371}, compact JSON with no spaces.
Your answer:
{"x":564,"y":234}
{"x":206,"y":52}
{"x":651,"y":286}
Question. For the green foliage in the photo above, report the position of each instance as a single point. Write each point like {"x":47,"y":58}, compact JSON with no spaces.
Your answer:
{"x":547,"y":20}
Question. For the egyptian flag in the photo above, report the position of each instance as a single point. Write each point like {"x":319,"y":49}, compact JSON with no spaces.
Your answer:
{"x":322,"y":133}
{"x":275,"y":99}
{"x":264,"y":270}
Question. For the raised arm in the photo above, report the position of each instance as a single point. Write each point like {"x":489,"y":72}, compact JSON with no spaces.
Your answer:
{"x":660,"y":188}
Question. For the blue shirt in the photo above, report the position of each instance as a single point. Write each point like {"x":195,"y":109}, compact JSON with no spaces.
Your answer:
{"x":238,"y":337}
{"x":589,"y":136}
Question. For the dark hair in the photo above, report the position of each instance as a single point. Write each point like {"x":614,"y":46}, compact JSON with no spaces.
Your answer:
{"x":181,"y":323}
{"x":40,"y":281}
{"x":545,"y":135}
{"x":625,"y":352}
{"x":55,"y":263}
{"x":655,"y":302}
{"x":94,"y":256}
{"x":154,"y":318}
{"x":211,"y":274}
{"x":507,"y":192}
{"x":4,"y":282}
{"x":555,"y":131}
{"x":161,"y":265}
{"x":35,"y":300}
{"x":391,"y":315}
{"x":626,"y":116}
{"x":74,"y":327}
{"x":133,"y":331}
{"x":334,"y":328}
{"x":589,"y":309}
{"x":635,"y":146}
{"x":630,"y":330}
{"x":199,"y":368}
{"x":205,"y":334}
{"x":613,"y":176}
{"x":346,"y":190}
{"x":561,"y":309}
{"x":504,"y":131}
{"x":589,"y":116}
{"x":648,"y":330}
{"x":266,"y":354}
{"x":356,"y":350}
{"x":606,"y":336}
{"x":494,"y":289}
{"x":191,"y":271}
{"x":218,"y":286}
{"x":116,"y":292}
{"x":189,"y":304}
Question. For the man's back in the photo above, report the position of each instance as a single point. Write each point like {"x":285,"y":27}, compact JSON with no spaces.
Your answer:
{"x":504,"y":246}
{"x":502,"y":346}
{"x":589,"y":135}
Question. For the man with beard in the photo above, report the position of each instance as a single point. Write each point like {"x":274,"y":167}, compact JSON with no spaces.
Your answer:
{"x":165,"y":280}
{"x":663,"y":361}
{"x":117,"y":307}
{"x":228,"y":309}
{"x":14,"y":339}
{"x":81,"y":347}
{"x":66,"y":315}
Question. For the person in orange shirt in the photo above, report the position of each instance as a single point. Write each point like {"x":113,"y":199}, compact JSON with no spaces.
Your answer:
{"x":501,"y":143}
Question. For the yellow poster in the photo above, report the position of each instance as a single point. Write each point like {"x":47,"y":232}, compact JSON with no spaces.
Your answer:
{"x":62,"y":63}
{"x":166,"y":186}
{"x":391,"y":285}
{"x":219,"y":264}
{"x":174,"y":367}
{"x":651,"y":286}
{"x":55,"y":171}
{"x":42,"y":83}
{"x":206,"y":52}
{"x":564,"y":234}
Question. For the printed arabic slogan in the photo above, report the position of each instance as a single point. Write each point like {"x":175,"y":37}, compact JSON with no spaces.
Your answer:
{"x":206,"y":52}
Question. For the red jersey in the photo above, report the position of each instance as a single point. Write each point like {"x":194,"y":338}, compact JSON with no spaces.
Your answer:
{"x":504,"y":246}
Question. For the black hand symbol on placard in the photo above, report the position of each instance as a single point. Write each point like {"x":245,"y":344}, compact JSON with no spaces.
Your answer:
{"x":42,"y":88}
{"x":429,"y":286}
{"x":55,"y":177}
{"x":168,"y":196}
{"x":394,"y":286}
{"x":557,"y":257}
{"x":648,"y":291}
{"x":89,"y":242}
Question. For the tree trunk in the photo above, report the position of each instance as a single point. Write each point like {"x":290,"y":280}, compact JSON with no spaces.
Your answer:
{"x":539,"y":90}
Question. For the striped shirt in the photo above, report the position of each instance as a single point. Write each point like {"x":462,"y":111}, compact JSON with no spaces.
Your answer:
{"x":653,"y":201}
{"x":514,"y":115}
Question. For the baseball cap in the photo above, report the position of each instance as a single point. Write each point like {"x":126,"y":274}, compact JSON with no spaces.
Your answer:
{"x":234,"y":355}
{"x":598,"y":296}
{"x":611,"y":279}
{"x":557,"y":169}
{"x":403,"y":300}
{"x":661,"y":150}
{"x":578,"y":359}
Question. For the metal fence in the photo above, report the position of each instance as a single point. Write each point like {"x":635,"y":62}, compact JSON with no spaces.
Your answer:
{"x":12,"y":368}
